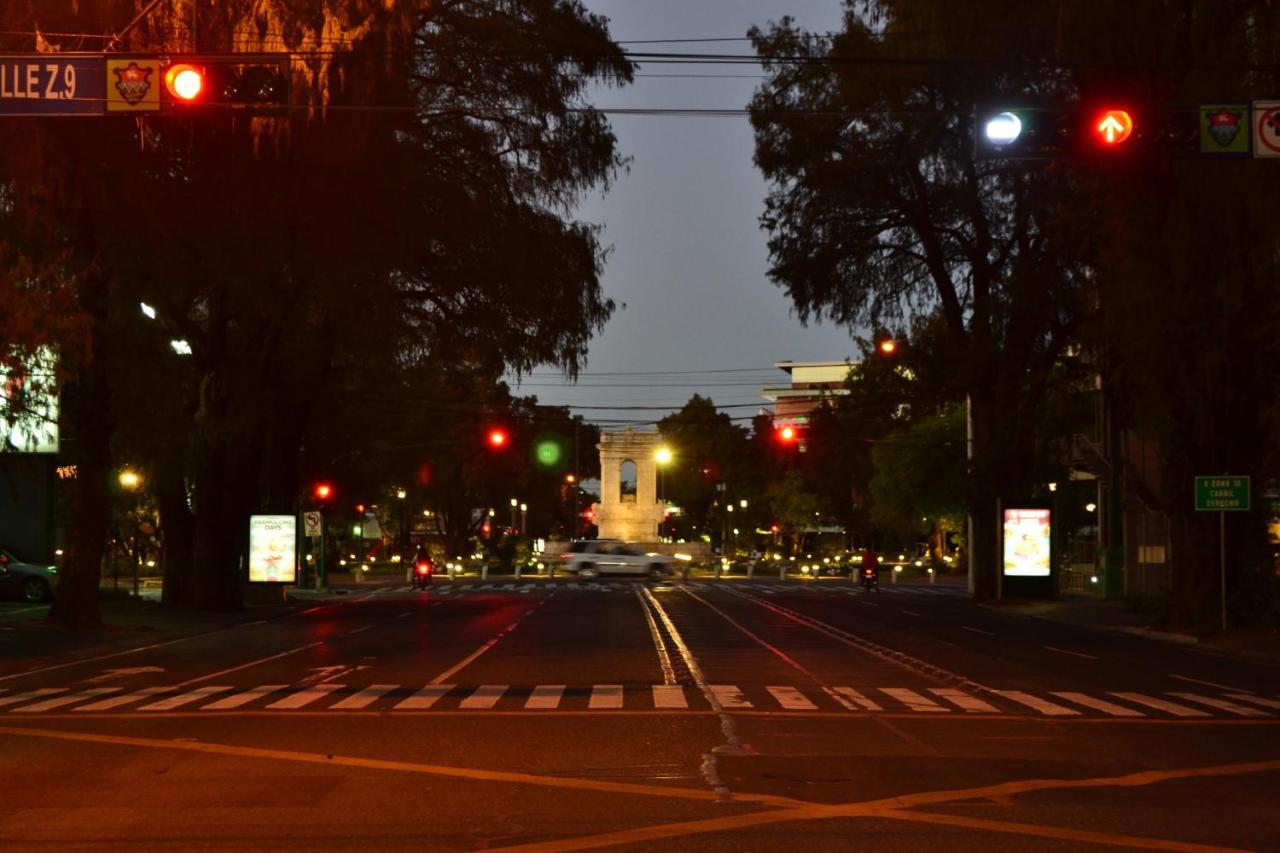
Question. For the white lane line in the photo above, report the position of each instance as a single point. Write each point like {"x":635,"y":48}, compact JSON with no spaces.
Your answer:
{"x":606,"y":696}
{"x":962,"y":700}
{"x":222,"y":672}
{"x":1098,"y":704}
{"x":359,"y":630}
{"x":1069,"y":652}
{"x":913,"y":700}
{"x":664,"y":659}
{"x":485,"y":696}
{"x":669,"y":696}
{"x":1209,"y":684}
{"x":405,"y":615}
{"x":171,"y":702}
{"x":1160,"y":704}
{"x":1221,"y":705}
{"x":306,"y":696}
{"x":545,"y":697}
{"x":117,"y":701}
{"x":978,"y":630}
{"x":857,"y":698}
{"x":364,"y":698}
{"x":909,"y":612}
{"x":235,"y":700}
{"x":32,"y":694}
{"x":424,"y":698}
{"x":791,"y":699}
{"x":58,"y":702}
{"x":439,"y":679}
{"x":1035,"y":703}
{"x":1256,"y":700}
{"x":729,"y":696}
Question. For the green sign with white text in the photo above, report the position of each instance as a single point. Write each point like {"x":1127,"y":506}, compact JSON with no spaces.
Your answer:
{"x":1222,"y":493}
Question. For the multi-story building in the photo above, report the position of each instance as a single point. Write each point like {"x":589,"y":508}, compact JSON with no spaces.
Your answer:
{"x":812,"y":383}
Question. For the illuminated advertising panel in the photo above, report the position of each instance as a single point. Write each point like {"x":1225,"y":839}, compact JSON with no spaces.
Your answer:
{"x":1027,"y":543}
{"x":29,"y":405}
{"x":273,"y":554}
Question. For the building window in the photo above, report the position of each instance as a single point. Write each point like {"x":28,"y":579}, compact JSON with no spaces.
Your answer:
{"x":627,"y":482}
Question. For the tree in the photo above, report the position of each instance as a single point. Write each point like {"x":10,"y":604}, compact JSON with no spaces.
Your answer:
{"x":709,"y":452}
{"x":919,"y":481}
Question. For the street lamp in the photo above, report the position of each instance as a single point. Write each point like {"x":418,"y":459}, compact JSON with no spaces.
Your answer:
{"x":514,"y":503}
{"x":524,"y":510}
{"x":663,"y":457}
{"x":130,"y":480}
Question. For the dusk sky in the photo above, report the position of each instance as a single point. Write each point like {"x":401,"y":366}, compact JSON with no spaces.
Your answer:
{"x":689,"y":259}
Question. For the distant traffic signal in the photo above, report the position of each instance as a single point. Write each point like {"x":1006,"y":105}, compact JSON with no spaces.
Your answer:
{"x":1043,"y":133}
{"x":236,"y":80}
{"x":497,"y":438}
{"x":322,"y":491}
{"x":787,"y":434}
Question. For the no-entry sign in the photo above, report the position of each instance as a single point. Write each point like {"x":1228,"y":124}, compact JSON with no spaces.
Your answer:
{"x":1266,"y":128}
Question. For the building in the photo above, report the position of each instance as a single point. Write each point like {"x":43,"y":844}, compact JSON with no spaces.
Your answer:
{"x":812,"y":383}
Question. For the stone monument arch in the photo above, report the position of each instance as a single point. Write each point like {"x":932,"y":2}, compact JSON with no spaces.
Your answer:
{"x":622,"y":514}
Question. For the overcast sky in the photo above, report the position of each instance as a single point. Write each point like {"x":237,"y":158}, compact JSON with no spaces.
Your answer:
{"x":689,"y":259}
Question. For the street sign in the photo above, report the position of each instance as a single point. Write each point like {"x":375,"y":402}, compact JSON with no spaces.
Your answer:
{"x":1266,"y":128}
{"x":1224,"y":130}
{"x":1222,"y":494}
{"x":52,"y":84}
{"x":312,"y":526}
{"x":133,"y":84}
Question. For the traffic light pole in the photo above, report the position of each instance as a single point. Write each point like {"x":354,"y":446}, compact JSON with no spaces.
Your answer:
{"x":320,"y":575}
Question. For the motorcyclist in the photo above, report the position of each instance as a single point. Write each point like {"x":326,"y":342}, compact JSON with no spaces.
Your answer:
{"x":420,"y":557}
{"x":872,"y":563}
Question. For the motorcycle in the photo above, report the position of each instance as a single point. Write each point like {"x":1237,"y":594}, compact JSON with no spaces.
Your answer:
{"x":421,"y":574}
{"x":869,"y":579}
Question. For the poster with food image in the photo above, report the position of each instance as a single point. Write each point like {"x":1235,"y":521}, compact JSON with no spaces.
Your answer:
{"x":1027,"y":543}
{"x":273,"y":549}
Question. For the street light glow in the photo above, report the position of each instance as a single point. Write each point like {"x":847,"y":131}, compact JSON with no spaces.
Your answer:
{"x":400,"y":493}
{"x":147,"y":310}
{"x":180,"y":346}
{"x":663,"y":455}
{"x":129,"y":479}
{"x":888,"y":346}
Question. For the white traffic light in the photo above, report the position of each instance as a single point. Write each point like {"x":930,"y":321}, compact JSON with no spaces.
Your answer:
{"x":1003,"y":129}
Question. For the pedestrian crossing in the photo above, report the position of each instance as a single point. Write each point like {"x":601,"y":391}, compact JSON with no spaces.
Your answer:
{"x":450,"y":589}
{"x":924,"y":701}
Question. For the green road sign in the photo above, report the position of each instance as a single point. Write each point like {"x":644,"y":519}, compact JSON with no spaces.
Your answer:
{"x":1225,"y":130}
{"x":1222,"y":493}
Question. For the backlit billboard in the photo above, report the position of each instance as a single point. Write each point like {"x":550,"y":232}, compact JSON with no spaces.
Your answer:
{"x":1027,"y":543}
{"x":273,"y":555}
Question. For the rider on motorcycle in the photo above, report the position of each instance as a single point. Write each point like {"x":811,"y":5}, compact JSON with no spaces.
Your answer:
{"x":870,"y":567}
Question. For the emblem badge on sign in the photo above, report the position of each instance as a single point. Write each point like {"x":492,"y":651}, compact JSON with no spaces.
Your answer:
{"x":133,"y":82}
{"x":1224,"y":126}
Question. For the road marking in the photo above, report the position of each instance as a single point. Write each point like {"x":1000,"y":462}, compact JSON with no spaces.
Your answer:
{"x":1257,"y":700}
{"x":251,"y":663}
{"x":912,"y":699}
{"x":424,"y":698}
{"x":1069,"y":652}
{"x":545,"y":697}
{"x":1098,"y":704}
{"x":963,"y":700}
{"x":606,"y":696}
{"x":1221,"y":704}
{"x":405,"y":615}
{"x":365,"y":697}
{"x":1209,"y":684}
{"x":909,"y":612}
{"x":669,"y":696}
{"x":235,"y":700}
{"x":791,"y":699}
{"x":485,"y":696}
{"x":857,"y":698}
{"x":359,"y":630}
{"x":58,"y":702}
{"x":977,"y":630}
{"x":171,"y":702}
{"x":664,"y":659}
{"x":1044,"y":706}
{"x":471,"y":657}
{"x":728,"y":696}
{"x":1160,"y":704}
{"x":32,"y":694}
{"x":117,"y":701}
{"x":306,"y":696}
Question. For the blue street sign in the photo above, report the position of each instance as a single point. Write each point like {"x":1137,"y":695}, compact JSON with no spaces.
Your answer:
{"x":52,"y":85}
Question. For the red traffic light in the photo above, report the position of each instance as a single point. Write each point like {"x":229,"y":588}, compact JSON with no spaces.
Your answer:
{"x":1113,"y":127}
{"x":497,"y":438}
{"x":787,"y":434}
{"x":184,"y":82}
{"x":360,"y":508}
{"x":322,"y":491}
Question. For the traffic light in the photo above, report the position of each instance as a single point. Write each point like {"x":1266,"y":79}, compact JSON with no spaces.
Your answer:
{"x":787,"y":434}
{"x":1045,"y":133}
{"x":497,"y":438}
{"x":322,"y":491}
{"x":235,"y":80}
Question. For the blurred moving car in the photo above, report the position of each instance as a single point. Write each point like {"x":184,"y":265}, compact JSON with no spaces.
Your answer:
{"x":29,"y":581}
{"x":591,"y":558}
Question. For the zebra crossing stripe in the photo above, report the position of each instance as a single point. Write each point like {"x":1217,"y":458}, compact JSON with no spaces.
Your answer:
{"x":729,"y":696}
{"x":545,"y":697}
{"x":962,"y":700}
{"x":791,"y":699}
{"x":235,"y":700}
{"x":171,"y":702}
{"x":59,"y":701}
{"x":1035,"y":703}
{"x":303,"y":697}
{"x":1161,"y":705}
{"x":1256,"y":700}
{"x":606,"y":696}
{"x":912,"y":699}
{"x":485,"y":696}
{"x":1221,"y":704}
{"x":1098,"y":704}
{"x":424,"y":698}
{"x":117,"y":701}
{"x":857,"y":698}
{"x":669,"y":696}
{"x":32,"y":694}
{"x":365,"y":697}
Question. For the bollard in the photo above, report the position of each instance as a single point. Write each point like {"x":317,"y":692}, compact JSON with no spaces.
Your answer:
{"x":718,"y":565}
{"x":517,"y":571}
{"x":782,"y":571}
{"x":551,"y":574}
{"x":751,"y":570}
{"x":484,"y":571}
{"x":684,"y":571}
{"x":932,"y":576}
{"x":893,"y":576}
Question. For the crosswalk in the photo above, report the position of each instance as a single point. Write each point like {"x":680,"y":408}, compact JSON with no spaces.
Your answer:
{"x":447,"y":589}
{"x":337,"y":697}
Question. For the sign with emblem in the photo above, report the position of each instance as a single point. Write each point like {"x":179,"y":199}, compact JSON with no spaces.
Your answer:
{"x":1224,"y":130}
{"x":312,"y":525}
{"x":52,"y":84}
{"x":1266,"y":128}
{"x":133,"y":84}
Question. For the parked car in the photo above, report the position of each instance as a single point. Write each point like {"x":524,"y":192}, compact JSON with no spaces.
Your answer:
{"x":33,"y":582}
{"x":591,"y":558}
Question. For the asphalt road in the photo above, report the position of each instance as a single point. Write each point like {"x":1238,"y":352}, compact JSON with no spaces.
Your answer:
{"x":633,"y":715}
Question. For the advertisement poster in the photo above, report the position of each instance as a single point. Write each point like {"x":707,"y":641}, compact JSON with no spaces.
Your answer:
{"x":272,"y":549}
{"x":1027,"y":543}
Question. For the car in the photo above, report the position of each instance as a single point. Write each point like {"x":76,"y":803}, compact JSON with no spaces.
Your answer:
{"x":32,"y":582}
{"x":590,"y":558}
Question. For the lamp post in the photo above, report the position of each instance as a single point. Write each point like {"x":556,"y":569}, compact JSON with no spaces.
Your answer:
{"x":401,"y":494}
{"x":524,"y":517}
{"x":663,"y":457}
{"x":130,"y":480}
{"x":514,"y":503}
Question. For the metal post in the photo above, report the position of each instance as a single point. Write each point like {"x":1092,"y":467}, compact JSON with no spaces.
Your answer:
{"x":517,"y":571}
{"x":320,"y":574}
{"x":1222,"y":565}
{"x":751,"y":570}
{"x":135,"y":565}
{"x":719,"y":564}
{"x":782,"y":571}
{"x":484,"y":571}
{"x":968,"y":451}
